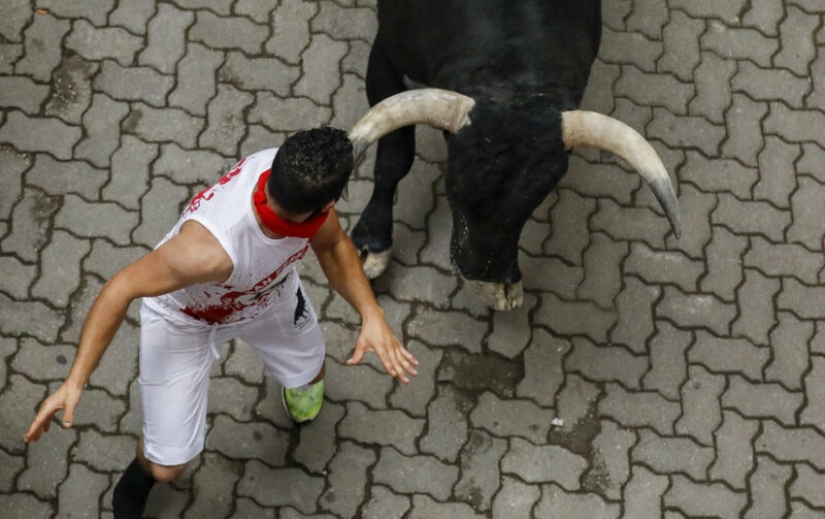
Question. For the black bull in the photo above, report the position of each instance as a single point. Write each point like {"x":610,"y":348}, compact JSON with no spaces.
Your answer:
{"x":520,"y":68}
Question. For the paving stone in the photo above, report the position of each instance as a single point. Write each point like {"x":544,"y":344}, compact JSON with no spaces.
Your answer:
{"x":287,"y":115}
{"x":160,"y":209}
{"x":672,"y":455}
{"x":791,"y":444}
{"x":807,"y":209}
{"x":713,"y":87}
{"x":729,"y":355}
{"x":71,"y":89}
{"x":668,"y":366}
{"x":388,"y":427}
{"x":248,"y":509}
{"x":762,"y":400}
{"x":557,"y":503}
{"x":554,"y":276}
{"x":635,"y":308}
{"x":17,"y":278}
{"x":22,"y":93}
{"x":734,"y":450}
{"x":719,"y":175}
{"x":663,"y":90}
{"x":681,"y":39}
{"x":317,"y":444}
{"x":725,"y":272}
{"x":60,"y":178}
{"x":446,"y":329}
{"x":101,"y":43}
{"x":107,"y":453}
{"x":598,"y":94}
{"x":790,"y":360}
{"x":713,"y":499}
{"x":643,"y":493}
{"x":794,"y":125}
{"x":12,"y":467}
{"x":134,"y":16}
{"x":504,"y":418}
{"x":415,"y":396}
{"x":543,"y":463}
{"x":293,"y":487}
{"x":166,"y":37}
{"x":739,"y":43}
{"x":751,"y":217}
{"x":163,"y":125}
{"x":196,"y":83}
{"x":602,"y":270}
{"x":24,"y":506}
{"x":695,"y":207}
{"x":166,"y":502}
{"x":94,"y":11}
{"x":744,"y":140}
{"x":422,"y":284}
{"x":635,"y":49}
{"x":701,"y":414}
{"x":347,"y":480}
{"x":436,"y":252}
{"x":46,"y":463}
{"x":424,"y":507}
{"x":290,"y":29}
{"x":225,"y":126}
{"x":662,"y":267}
{"x":768,"y":84}
{"x":756,"y":318}
{"x":804,"y":301}
{"x":639,"y":409}
{"x":214,"y":484}
{"x":543,"y":368}
{"x":270,"y":407}
{"x":253,"y":440}
{"x":697,"y":311}
{"x":100,"y":141}
{"x":569,"y":237}
{"x":362,"y":383}
{"x":813,"y":412}
{"x":258,"y":10}
{"x":812,"y":155}
{"x":784,"y":260}
{"x":816,"y":99}
{"x":129,"y":171}
{"x":345,"y":23}
{"x":480,"y":479}
{"x":190,"y":166}
{"x":231,"y":397}
{"x":228,"y":32}
{"x":648,"y":17}
{"x":98,"y":220}
{"x":593,"y":180}
{"x":807,"y":485}
{"x":259,"y":138}
{"x":576,"y":405}
{"x":12,"y":166}
{"x":8,"y":346}
{"x":414,"y":474}
{"x":572,"y":318}
{"x":606,"y":363}
{"x":41,"y":41}
{"x":385,"y":504}
{"x":79,"y":494}
{"x":512,"y":333}
{"x":516,"y":499}
{"x":17,"y":13}
{"x":768,"y":485}
{"x":258,"y":74}
{"x":817,"y":343}
{"x":43,"y":363}
{"x":797,"y":50}
{"x":323,"y":54}
{"x":9,"y":54}
{"x":686,"y":131}
{"x":30,"y":317}
{"x":244,"y":364}
{"x":45,"y":134}
{"x":447,"y":429}
{"x":610,"y":465}
{"x":764,"y":16}
{"x":801,"y":511}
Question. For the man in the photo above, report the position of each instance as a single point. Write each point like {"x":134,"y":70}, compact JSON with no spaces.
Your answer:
{"x":228,"y":269}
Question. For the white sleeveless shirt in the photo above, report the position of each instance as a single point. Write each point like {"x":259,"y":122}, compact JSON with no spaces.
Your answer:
{"x":264,"y":268}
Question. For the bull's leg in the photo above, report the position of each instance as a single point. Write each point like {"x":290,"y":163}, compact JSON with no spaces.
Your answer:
{"x":372,"y":234}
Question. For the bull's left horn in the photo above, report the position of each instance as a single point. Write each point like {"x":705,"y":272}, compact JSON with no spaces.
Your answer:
{"x":442,"y":109}
{"x":582,"y":128}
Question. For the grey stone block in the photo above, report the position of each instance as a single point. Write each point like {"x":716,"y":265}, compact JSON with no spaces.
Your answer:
{"x":606,"y":363}
{"x":318,"y":440}
{"x":480,"y":479}
{"x":713,"y":89}
{"x":269,"y":74}
{"x":228,"y":32}
{"x":804,"y":301}
{"x":196,"y":79}
{"x":294,"y":487}
{"x":512,"y":418}
{"x":725,"y":268}
{"x":225,"y":127}
{"x":648,"y":89}
{"x":729,"y":355}
{"x":643,"y":493}
{"x":574,"y":318}
{"x":96,"y":44}
{"x":807,"y":211}
{"x":347,"y":479}
{"x":681,"y":38}
{"x":101,"y":140}
{"x":415,"y":396}
{"x":789,"y":342}
{"x":96,"y":219}
{"x":30,"y":317}
{"x":60,"y":178}
{"x":668,"y":366}
{"x":322,"y":55}
{"x":739,"y":43}
{"x":610,"y":467}
{"x":697,"y":311}
{"x":42,"y":41}
{"x":134,"y":16}
{"x":765,"y":16}
{"x":557,"y":503}
{"x":686,"y":131}
{"x":697,"y":499}
{"x":213,"y":486}
{"x":543,"y":368}
{"x":447,"y":329}
{"x":701,"y":413}
{"x":362,"y":383}
{"x":30,"y":225}
{"x":602,"y":270}
{"x":22,"y":93}
{"x":166,"y":38}
{"x":768,"y":485}
{"x":254,"y":440}
{"x":290,"y":29}
{"x":47,"y":463}
{"x":46,"y":134}
{"x":635,"y":306}
{"x":762,"y":400}
{"x":734,"y":450}
{"x":107,"y":453}
{"x":24,"y":506}
{"x":794,"y":125}
{"x":808,"y":485}
{"x":756,"y":310}
{"x":639,"y":409}
{"x":17,"y":14}
{"x":288,"y":115}
{"x":814,"y":382}
{"x":797,"y":50}
{"x":672,"y":455}
{"x":383,"y":427}
{"x":342,"y":23}
{"x":18,"y":277}
{"x":447,"y":429}
{"x":424,"y":507}
{"x":161,"y":209}
{"x":414,"y":474}
{"x":516,"y":499}
{"x":630,"y":48}
{"x":71,"y":91}
{"x":791,"y":444}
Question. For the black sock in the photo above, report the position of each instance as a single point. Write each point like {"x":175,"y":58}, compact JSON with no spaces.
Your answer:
{"x":131,"y":492}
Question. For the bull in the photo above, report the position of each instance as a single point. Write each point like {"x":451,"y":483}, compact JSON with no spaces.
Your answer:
{"x":503,"y":79}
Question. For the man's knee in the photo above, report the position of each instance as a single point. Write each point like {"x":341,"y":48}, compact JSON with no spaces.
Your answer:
{"x":166,"y":473}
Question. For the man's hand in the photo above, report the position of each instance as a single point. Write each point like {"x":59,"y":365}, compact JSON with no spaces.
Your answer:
{"x":66,"y":398}
{"x":377,"y":337}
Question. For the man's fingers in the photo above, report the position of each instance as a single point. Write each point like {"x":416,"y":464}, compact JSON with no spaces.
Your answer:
{"x":357,"y":355}
{"x":68,"y":416}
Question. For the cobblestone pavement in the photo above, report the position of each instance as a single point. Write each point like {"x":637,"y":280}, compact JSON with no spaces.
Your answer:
{"x":645,"y":376}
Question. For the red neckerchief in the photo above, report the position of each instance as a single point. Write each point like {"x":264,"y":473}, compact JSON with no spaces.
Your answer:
{"x":278,"y":225}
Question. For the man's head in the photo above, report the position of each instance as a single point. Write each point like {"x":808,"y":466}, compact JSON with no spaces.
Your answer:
{"x":311,"y":169}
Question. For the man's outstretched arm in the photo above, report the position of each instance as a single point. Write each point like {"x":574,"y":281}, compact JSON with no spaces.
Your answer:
{"x":342,"y":267}
{"x":192,"y":256}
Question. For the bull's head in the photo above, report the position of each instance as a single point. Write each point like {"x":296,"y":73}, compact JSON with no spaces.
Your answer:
{"x":495,"y":182}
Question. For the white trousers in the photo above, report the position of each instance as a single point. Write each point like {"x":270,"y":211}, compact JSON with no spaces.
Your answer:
{"x":175,"y":363}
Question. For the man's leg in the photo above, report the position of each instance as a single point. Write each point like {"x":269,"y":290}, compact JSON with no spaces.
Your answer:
{"x":131,"y":492}
{"x":304,"y":403}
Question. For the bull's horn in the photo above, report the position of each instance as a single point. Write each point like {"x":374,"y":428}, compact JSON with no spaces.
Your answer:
{"x":442,"y":109}
{"x":582,"y":128}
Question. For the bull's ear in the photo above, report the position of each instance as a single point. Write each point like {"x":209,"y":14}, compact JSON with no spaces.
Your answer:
{"x":441,"y":109}
{"x":582,"y":128}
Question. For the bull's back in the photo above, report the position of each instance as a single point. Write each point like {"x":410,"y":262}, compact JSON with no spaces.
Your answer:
{"x":459,"y":44}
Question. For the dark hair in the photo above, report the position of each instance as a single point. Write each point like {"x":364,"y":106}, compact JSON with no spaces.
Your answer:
{"x":311,"y":169}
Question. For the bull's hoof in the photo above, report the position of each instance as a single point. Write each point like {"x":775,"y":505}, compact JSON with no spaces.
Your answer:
{"x":501,"y":296}
{"x":375,"y":263}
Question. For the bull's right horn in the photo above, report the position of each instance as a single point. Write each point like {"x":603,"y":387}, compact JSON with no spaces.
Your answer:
{"x":582,"y":128}
{"x":442,"y":109}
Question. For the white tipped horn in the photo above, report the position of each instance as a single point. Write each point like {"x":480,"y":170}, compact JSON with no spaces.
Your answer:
{"x":583,"y":128}
{"x":442,"y":109}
